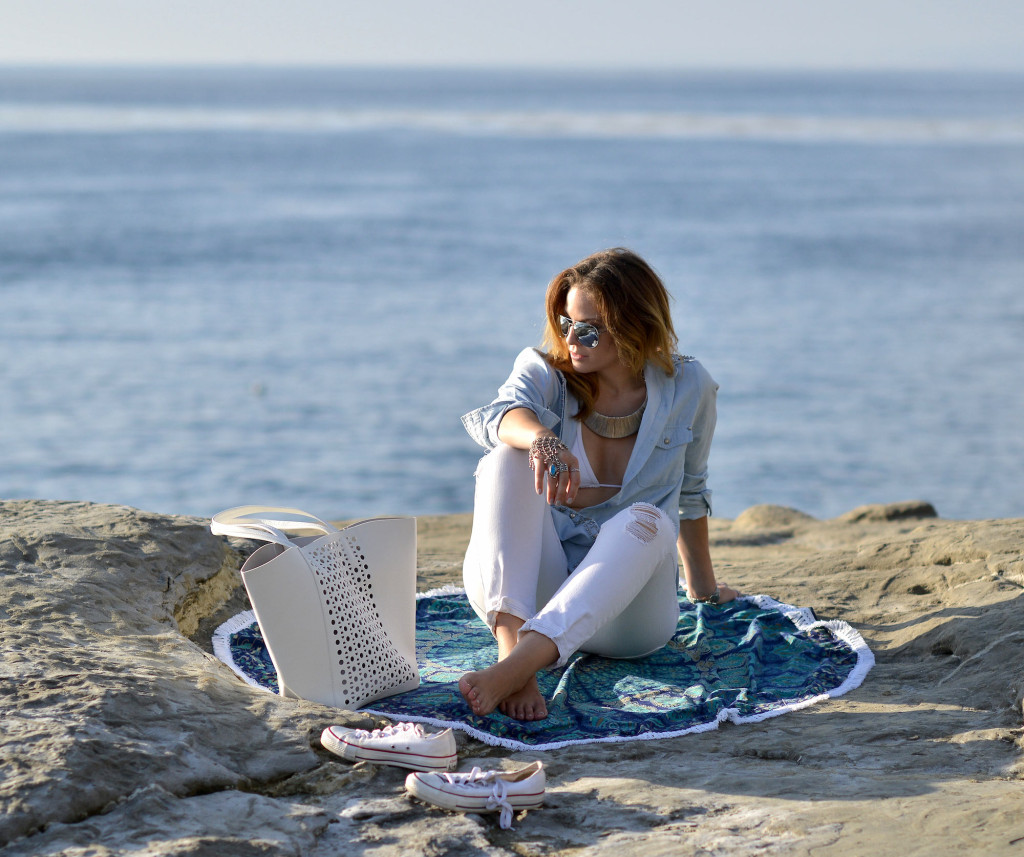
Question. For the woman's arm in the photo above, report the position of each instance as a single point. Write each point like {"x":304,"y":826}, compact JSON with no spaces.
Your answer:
{"x":694,"y":495}
{"x":532,"y":384}
{"x":695,"y":553}
{"x":519,"y":428}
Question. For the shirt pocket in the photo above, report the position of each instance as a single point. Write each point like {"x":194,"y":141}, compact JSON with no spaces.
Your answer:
{"x":665,"y":464}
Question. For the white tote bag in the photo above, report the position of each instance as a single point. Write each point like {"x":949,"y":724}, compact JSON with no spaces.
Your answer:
{"x":337,"y":608}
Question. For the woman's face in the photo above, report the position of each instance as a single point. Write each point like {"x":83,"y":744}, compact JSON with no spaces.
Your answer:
{"x":579,"y":306}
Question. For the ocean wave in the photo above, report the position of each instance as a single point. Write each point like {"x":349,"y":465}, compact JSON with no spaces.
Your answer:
{"x":67,"y":119}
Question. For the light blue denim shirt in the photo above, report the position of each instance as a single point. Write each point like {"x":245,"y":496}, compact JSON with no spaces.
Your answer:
{"x":669,"y":463}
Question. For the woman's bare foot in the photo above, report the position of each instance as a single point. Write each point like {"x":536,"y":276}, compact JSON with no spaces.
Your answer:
{"x":527,"y":703}
{"x":512,"y":679}
{"x":486,"y":689}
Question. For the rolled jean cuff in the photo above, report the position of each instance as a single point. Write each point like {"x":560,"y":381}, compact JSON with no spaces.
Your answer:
{"x":507,"y":605}
{"x":553,"y":633}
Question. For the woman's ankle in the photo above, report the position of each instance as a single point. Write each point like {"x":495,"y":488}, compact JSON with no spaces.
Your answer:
{"x":506,"y":632}
{"x":534,"y":651}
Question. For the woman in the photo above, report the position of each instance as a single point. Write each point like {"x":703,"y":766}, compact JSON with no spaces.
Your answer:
{"x":598,"y":459}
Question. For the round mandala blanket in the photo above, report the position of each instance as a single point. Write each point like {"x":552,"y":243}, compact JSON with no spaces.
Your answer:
{"x":745,"y":661}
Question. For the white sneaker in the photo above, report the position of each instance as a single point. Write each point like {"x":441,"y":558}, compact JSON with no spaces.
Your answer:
{"x":404,"y":744}
{"x":483,"y":791}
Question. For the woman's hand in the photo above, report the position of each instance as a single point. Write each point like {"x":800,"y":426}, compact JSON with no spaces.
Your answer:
{"x":521,"y":429}
{"x":722,"y":594}
{"x":556,"y":470}
{"x":727,"y":593}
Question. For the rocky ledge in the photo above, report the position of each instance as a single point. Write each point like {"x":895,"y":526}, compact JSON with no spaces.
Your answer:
{"x":123,"y":734}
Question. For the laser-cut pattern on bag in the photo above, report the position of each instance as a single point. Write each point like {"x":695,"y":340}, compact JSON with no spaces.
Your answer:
{"x":367,"y":660}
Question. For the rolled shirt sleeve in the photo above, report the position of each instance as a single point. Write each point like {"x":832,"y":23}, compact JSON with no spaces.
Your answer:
{"x":533,"y":384}
{"x":694,"y":494}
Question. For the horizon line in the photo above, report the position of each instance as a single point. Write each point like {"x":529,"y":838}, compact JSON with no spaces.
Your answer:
{"x":519,"y":68}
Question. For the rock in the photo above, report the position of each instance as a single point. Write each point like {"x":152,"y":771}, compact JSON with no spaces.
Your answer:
{"x":221,"y":823}
{"x":121,"y":735}
{"x":768,"y":517}
{"x":890,"y":512}
{"x":102,"y":693}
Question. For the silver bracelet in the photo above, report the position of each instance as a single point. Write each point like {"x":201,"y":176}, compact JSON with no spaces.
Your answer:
{"x":548,"y":449}
{"x":713,"y":598}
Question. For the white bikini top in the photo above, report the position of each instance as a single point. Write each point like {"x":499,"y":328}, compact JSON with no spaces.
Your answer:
{"x":588,"y":479}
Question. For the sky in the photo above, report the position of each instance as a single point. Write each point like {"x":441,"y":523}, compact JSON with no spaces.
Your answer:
{"x":771,"y":34}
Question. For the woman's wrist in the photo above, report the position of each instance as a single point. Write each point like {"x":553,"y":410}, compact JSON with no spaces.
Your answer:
{"x":713,"y":598}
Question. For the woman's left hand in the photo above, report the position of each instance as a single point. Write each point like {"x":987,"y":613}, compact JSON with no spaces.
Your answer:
{"x":560,"y":489}
{"x":727,"y":593}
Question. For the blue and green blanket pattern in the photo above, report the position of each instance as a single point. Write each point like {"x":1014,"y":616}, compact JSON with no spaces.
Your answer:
{"x":745,"y":661}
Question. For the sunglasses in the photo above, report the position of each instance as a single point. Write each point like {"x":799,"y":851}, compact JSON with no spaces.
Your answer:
{"x":587,"y":334}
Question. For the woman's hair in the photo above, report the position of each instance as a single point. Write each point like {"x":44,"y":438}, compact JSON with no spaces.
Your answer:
{"x":634,"y":307}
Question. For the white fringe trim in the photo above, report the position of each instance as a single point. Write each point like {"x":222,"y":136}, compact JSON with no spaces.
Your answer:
{"x":447,"y":589}
{"x":222,"y":645}
{"x":802,"y":617}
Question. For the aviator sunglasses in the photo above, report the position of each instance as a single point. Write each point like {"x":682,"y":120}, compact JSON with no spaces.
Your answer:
{"x":587,"y":334}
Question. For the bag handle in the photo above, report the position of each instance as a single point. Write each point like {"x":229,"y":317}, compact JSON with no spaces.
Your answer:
{"x":267,"y":523}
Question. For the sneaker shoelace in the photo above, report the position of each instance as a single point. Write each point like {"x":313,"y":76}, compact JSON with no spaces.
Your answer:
{"x":497,"y":799}
{"x":398,"y":730}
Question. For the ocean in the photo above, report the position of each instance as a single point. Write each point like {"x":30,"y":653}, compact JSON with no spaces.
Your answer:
{"x":284,"y":286}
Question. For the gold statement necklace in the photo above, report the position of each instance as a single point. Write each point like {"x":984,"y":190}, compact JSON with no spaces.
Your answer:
{"x":616,"y":427}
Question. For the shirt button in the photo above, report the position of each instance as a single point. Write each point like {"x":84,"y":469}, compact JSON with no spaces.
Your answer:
{"x":667,"y":440}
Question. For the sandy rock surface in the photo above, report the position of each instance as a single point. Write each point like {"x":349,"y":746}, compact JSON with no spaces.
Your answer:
{"x":122,"y":734}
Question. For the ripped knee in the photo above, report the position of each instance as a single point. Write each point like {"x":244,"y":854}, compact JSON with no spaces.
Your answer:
{"x":643,"y":525}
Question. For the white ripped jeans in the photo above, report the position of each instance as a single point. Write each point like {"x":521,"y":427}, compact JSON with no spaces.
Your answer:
{"x":620,"y":601}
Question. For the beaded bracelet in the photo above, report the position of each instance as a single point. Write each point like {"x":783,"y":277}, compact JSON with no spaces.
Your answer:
{"x":713,"y":598}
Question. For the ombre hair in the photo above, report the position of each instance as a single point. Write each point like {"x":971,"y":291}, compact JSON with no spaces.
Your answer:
{"x":634,"y":307}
